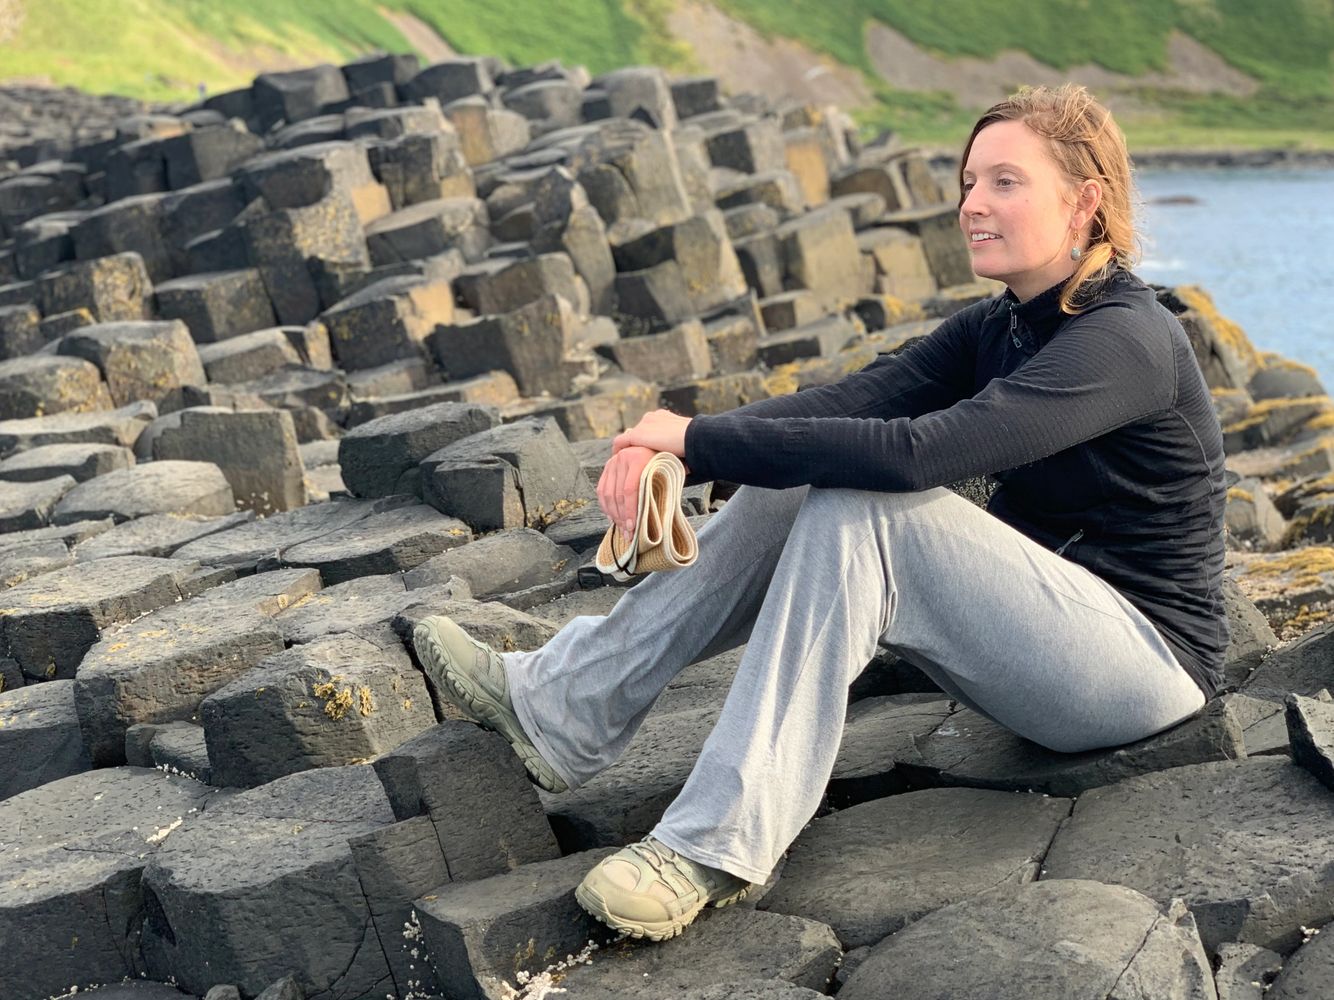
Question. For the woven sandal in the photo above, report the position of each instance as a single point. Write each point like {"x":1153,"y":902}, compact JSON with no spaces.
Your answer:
{"x":663,"y":538}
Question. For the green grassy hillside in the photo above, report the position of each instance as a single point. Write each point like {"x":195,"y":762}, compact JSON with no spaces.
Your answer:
{"x":163,"y":49}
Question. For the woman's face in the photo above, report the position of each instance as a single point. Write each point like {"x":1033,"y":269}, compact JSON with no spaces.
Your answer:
{"x":1018,"y":211}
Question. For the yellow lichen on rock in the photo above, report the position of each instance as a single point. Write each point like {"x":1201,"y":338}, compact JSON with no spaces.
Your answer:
{"x":365,"y":704}
{"x":337,"y":701}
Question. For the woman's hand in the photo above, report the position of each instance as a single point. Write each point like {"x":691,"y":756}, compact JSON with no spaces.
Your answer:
{"x":659,"y":430}
{"x":618,"y":488}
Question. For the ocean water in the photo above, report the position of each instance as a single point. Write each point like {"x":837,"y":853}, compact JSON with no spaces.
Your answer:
{"x":1256,"y":241}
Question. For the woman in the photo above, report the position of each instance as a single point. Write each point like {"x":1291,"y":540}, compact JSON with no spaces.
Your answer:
{"x":1083,"y":609}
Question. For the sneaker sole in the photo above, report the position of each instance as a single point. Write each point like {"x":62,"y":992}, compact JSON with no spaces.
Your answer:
{"x":593,"y":903}
{"x":484,"y":710}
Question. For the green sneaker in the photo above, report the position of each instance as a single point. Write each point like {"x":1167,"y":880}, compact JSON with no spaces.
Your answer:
{"x":650,"y":891}
{"x":471,"y":676}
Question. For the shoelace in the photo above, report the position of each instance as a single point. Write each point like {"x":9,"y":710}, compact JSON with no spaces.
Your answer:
{"x":658,"y":855}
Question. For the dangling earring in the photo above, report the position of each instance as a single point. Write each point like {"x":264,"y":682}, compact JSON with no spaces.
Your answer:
{"x":1075,"y":252}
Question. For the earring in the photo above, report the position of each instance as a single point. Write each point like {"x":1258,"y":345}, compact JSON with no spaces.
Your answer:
{"x":1076,"y":253}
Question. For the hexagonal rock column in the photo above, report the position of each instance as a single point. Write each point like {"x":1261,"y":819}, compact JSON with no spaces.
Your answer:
{"x":160,"y":667}
{"x":388,"y":321}
{"x":256,"y":452}
{"x":375,"y":454}
{"x":139,"y":360}
{"x":48,"y":623}
{"x":75,"y":849}
{"x":166,"y":487}
{"x":40,"y":383}
{"x":323,"y":704}
{"x":515,"y":476}
{"x":82,"y":461}
{"x":391,"y":542}
{"x":1050,"y":940}
{"x":531,"y":343}
{"x":114,"y":288}
{"x":121,"y":427}
{"x":263,"y":884}
{"x":39,"y":737}
{"x":869,"y":870}
{"x":1246,"y":843}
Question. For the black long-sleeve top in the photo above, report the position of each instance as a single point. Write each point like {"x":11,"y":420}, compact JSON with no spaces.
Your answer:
{"x":1098,"y":426}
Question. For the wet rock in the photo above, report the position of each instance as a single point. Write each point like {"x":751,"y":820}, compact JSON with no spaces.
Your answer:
{"x":167,"y":487}
{"x":481,"y":934}
{"x":81,"y":461}
{"x":28,"y":505}
{"x":264,"y":881}
{"x":41,"y":384}
{"x":74,"y":852}
{"x":39,"y":737}
{"x":1310,"y":723}
{"x":500,"y":563}
{"x":160,"y":667}
{"x":1244,"y":843}
{"x":256,"y":452}
{"x":155,"y":535}
{"x":477,"y":795}
{"x":120,"y":427}
{"x":49,"y":622}
{"x":722,"y":945}
{"x":969,"y":749}
{"x":375,"y":454}
{"x":869,"y":870}
{"x":334,"y":701}
{"x":1053,"y":939}
{"x":139,"y":361}
{"x":518,"y":475}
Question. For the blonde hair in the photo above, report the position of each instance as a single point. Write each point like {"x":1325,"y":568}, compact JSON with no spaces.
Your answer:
{"x":1086,"y":144}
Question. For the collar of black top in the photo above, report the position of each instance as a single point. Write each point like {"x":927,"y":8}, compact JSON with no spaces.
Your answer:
{"x":1042,"y":313}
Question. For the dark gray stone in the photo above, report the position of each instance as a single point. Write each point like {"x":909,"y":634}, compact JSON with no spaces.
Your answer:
{"x":395,"y":865}
{"x":475,"y":791}
{"x":495,"y":624}
{"x":21,"y":562}
{"x":878,"y":733}
{"x":39,"y":384}
{"x":820,"y":253}
{"x":519,"y":475}
{"x":28,"y":505}
{"x":245,"y":545}
{"x":297,"y":94}
{"x":1244,"y":971}
{"x":263,"y":885}
{"x":969,"y":749}
{"x":1250,"y":636}
{"x":946,"y":250}
{"x":375,"y":454}
{"x":81,"y":461}
{"x":166,"y":487}
{"x":1301,"y":667}
{"x":179,"y":748}
{"x":1309,"y":971}
{"x":1056,"y":940}
{"x":721,"y":945}
{"x":388,"y":321}
{"x":869,"y":870}
{"x":823,"y":338}
{"x":361,"y":603}
{"x":391,"y":542}
{"x":249,"y":356}
{"x":120,"y":427}
{"x":155,"y":535}
{"x":126,"y":225}
{"x":1310,"y":723}
{"x":256,"y":452}
{"x":49,"y":622}
{"x":499,"y":563}
{"x":216,"y":305}
{"x":39,"y":737}
{"x":286,"y":988}
{"x":530,"y":343}
{"x":1244,"y":843}
{"x":428,"y":228}
{"x":480,"y":935}
{"x":334,"y":701}
{"x":160,"y":667}
{"x":139,"y":361}
{"x":75,"y":850}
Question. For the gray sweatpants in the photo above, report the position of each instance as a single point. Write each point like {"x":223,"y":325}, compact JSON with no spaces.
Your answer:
{"x":812,"y":579}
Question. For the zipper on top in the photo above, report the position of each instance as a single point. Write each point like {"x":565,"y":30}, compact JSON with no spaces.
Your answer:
{"x":1014,"y":328}
{"x":1071,"y":541}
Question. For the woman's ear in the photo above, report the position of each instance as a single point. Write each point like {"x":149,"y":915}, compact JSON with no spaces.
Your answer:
{"x":1087,"y":200}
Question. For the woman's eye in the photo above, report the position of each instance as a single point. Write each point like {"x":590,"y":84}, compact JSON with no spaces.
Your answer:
{"x":1004,"y":182}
